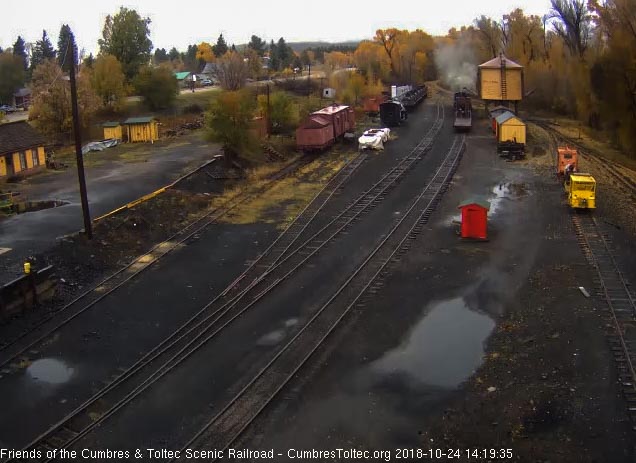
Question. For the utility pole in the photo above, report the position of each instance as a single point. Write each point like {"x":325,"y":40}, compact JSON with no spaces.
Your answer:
{"x":78,"y":149}
{"x":267,"y":121}
{"x":309,"y":81}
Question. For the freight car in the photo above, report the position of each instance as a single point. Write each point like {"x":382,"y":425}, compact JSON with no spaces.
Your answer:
{"x":463,"y":111}
{"x":414,"y":97}
{"x":322,"y":128}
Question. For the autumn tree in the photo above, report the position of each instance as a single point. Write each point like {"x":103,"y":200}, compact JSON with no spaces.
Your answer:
{"x":491,"y":35}
{"x":157,"y":86}
{"x":126,"y":36}
{"x":108,"y":81}
{"x":573,"y":25}
{"x":232,"y":71}
{"x":205,"y":52}
{"x":229,"y":121}
{"x":613,"y":76}
{"x":11,"y":76}
{"x":19,"y":50}
{"x":220,"y":48}
{"x":388,"y":39}
{"x":254,"y":63}
{"x":51,"y":100}
{"x":371,"y":59}
{"x":283,"y":114}
{"x":67,"y":48}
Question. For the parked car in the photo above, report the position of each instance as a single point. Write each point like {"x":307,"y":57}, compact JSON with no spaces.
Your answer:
{"x":374,"y":139}
{"x":207,"y":82}
{"x":5,"y":108}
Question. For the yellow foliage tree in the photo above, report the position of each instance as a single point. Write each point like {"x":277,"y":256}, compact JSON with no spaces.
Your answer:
{"x":204,"y":52}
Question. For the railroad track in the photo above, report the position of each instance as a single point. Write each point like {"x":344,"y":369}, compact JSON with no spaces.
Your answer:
{"x":276,"y":264}
{"x":227,"y":425}
{"x":104,"y":288}
{"x":613,"y":168}
{"x":613,"y":289}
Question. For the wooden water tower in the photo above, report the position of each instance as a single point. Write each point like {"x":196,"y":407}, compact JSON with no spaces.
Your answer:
{"x":500,"y":81}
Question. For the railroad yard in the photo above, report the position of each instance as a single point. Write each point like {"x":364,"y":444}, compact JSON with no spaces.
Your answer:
{"x":351,"y":316}
{"x":366,"y":323}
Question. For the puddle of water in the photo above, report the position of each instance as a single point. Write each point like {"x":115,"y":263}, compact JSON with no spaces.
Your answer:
{"x":50,"y":371}
{"x":33,"y":206}
{"x":276,"y":336}
{"x":506,"y":192}
{"x":271,"y":338}
{"x":443,"y":349}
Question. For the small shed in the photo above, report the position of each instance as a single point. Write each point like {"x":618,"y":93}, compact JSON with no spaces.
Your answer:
{"x":112,"y":130}
{"x":328,"y":92}
{"x":510,"y":128}
{"x":474,"y":218}
{"x":141,"y":129}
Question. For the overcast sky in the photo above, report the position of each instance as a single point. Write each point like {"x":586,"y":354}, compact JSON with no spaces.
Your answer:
{"x":179,"y":23}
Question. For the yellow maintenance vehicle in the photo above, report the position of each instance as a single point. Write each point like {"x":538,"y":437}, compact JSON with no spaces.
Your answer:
{"x":581,"y":191}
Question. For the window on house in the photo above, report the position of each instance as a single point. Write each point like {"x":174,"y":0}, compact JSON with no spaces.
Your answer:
{"x":34,"y":158}
{"x":23,"y":164}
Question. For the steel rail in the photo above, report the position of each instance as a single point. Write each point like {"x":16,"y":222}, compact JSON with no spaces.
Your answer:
{"x":156,"y":252}
{"x":248,"y":403}
{"x":62,"y":433}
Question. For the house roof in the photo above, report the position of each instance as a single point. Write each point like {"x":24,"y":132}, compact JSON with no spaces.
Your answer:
{"x":21,"y":92}
{"x":477,"y":200}
{"x":138,"y":120}
{"x":495,"y":63}
{"x":504,"y":117}
{"x":18,"y":136}
{"x":181,"y":75}
{"x":111,"y":124}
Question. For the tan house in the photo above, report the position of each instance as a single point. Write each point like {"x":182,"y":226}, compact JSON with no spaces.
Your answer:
{"x":21,"y":149}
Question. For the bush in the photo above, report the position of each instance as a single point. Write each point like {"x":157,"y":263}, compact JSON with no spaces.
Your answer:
{"x":157,"y":86}
{"x":194,"y":108}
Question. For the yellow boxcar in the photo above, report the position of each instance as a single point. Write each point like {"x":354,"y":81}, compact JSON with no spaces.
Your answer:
{"x":581,"y":190}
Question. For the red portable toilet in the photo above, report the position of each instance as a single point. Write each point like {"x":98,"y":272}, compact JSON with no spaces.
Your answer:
{"x":474,"y":218}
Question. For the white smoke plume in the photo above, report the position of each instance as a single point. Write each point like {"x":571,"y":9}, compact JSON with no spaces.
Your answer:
{"x":456,"y":65}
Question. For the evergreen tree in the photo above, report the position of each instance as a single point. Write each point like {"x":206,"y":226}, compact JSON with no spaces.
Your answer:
{"x":89,"y":61}
{"x":174,"y":54}
{"x":220,"y":48}
{"x":42,"y":51}
{"x":285,"y":53}
{"x":161,"y":55}
{"x":258,"y":45}
{"x":65,"y":46}
{"x":274,"y":58}
{"x":19,"y":49}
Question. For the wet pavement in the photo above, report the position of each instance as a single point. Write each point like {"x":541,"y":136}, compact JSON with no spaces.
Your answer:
{"x":109,"y":184}
{"x":443,"y":349}
{"x":399,"y":359}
